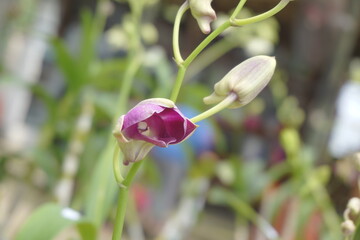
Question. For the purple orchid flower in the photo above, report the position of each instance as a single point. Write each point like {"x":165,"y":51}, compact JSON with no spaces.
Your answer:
{"x":155,"y":121}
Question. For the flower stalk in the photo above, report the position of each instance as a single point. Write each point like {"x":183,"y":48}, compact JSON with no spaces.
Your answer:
{"x":154,"y":122}
{"x":176,"y":46}
{"x":230,"y":99}
{"x":241,"y":22}
{"x":238,"y":9}
{"x":185,"y":64}
{"x":231,"y":22}
{"x":116,"y":167}
{"x":122,"y":201}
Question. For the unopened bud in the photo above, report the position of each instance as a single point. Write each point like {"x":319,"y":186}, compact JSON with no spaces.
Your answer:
{"x":203,"y":13}
{"x":246,"y":80}
{"x":348,"y":227}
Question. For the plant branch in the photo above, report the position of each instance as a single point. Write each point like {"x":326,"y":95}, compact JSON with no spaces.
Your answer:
{"x":241,"y":22}
{"x":176,"y":45}
{"x":217,"y":108}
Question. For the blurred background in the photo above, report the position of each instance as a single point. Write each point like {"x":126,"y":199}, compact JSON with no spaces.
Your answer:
{"x":282,"y":167}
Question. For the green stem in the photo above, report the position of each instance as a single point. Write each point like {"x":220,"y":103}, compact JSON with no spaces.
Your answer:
{"x":120,"y":213}
{"x":217,"y":108}
{"x":134,"y":65}
{"x":206,"y":42}
{"x":260,"y":17}
{"x":176,"y":45}
{"x":183,"y":66}
{"x":122,"y":201}
{"x":179,"y":79}
{"x":238,"y":9}
{"x":132,"y":172}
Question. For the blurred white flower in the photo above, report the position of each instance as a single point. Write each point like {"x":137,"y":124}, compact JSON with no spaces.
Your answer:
{"x":70,"y":214}
{"x":345,"y":136}
{"x":259,"y":46}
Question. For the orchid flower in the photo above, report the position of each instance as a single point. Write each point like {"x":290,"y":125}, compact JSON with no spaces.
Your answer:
{"x":151,"y":122}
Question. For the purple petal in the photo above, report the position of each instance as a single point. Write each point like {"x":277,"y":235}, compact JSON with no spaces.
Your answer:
{"x":156,"y":133}
{"x":140,"y":112}
{"x":190,"y":128}
{"x":173,"y":123}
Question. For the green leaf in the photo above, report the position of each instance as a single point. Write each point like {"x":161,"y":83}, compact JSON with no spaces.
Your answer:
{"x":49,"y":220}
{"x":87,"y":230}
{"x":46,"y":98}
{"x":67,"y":64}
{"x":102,"y":188}
{"x":44,"y":224}
{"x":46,"y":160}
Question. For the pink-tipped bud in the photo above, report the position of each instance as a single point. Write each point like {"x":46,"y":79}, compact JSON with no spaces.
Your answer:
{"x":203,"y":13}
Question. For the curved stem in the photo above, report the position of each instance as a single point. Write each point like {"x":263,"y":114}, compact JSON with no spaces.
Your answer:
{"x":260,"y":17}
{"x":238,"y":8}
{"x":175,"y":40}
{"x":217,"y":108}
{"x":183,"y":66}
{"x":116,"y":166}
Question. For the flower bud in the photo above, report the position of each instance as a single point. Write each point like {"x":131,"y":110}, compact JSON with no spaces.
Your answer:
{"x":246,"y":80}
{"x":354,"y":208}
{"x":203,"y":13}
{"x":348,"y":227}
